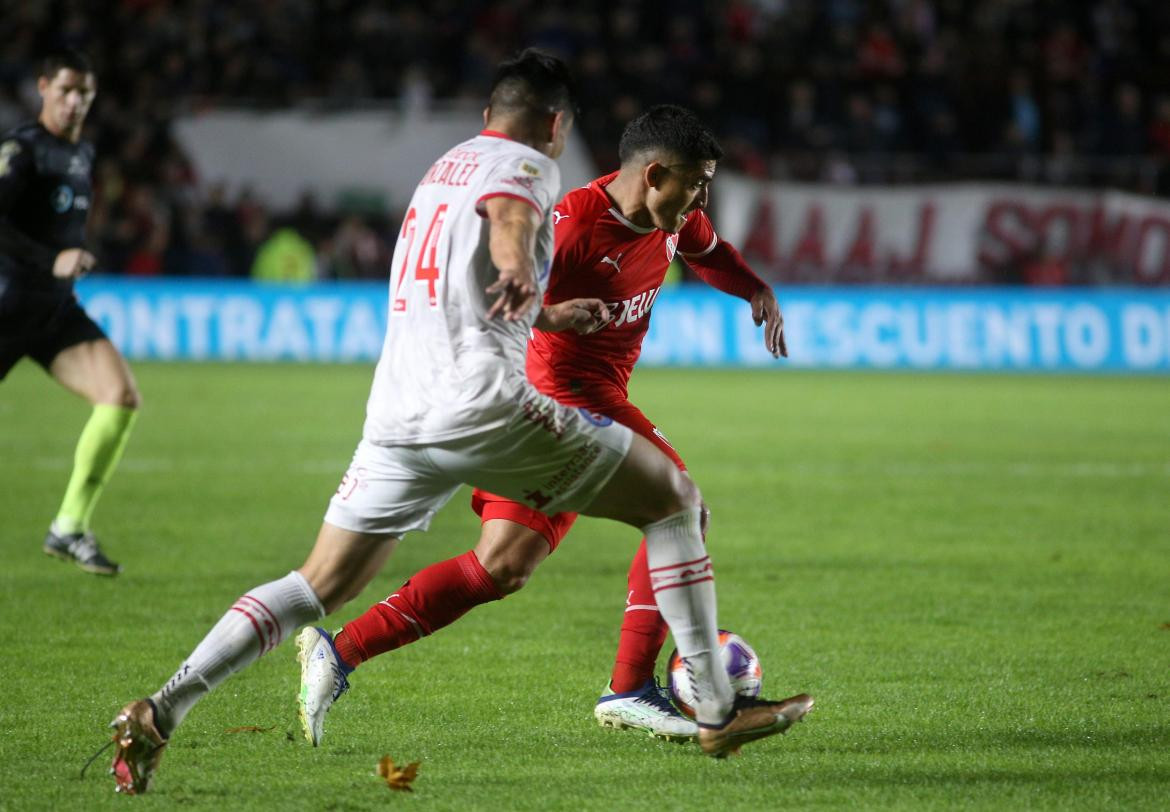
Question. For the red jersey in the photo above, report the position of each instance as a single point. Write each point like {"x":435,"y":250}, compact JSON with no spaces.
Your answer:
{"x":600,"y":254}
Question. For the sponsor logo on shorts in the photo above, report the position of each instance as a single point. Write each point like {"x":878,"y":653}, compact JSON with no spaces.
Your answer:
{"x":538,"y":499}
{"x":597,"y":419}
{"x":544,"y":414}
{"x":566,"y":477}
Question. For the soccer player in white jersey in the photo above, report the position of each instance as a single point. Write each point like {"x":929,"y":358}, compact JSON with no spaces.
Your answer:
{"x":615,"y":239}
{"x":451,"y":404}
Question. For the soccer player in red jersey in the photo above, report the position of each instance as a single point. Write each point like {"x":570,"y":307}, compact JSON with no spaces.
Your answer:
{"x":615,"y":239}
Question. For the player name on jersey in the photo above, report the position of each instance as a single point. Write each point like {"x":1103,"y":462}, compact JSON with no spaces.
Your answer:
{"x":453,"y":169}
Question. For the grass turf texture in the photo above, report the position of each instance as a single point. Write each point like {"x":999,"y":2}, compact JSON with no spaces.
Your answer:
{"x":968,"y":572}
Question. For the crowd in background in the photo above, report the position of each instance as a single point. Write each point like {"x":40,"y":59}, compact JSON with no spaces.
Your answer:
{"x":839,"y":91}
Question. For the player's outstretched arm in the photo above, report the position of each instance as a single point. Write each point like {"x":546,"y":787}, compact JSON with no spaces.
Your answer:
{"x":584,"y":316}
{"x":724,"y":269}
{"x":512,"y":245}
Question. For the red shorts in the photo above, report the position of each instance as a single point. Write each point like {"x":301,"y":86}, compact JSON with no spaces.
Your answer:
{"x":554,"y":528}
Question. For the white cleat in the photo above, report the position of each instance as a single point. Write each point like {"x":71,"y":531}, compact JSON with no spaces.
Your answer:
{"x":322,"y":680}
{"x":647,"y":708}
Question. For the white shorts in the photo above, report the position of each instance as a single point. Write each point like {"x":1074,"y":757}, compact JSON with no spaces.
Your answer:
{"x":549,"y":456}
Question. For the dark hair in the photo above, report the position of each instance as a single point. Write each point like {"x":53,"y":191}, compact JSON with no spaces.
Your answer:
{"x":671,"y":129}
{"x":65,"y":58}
{"x":533,"y":82}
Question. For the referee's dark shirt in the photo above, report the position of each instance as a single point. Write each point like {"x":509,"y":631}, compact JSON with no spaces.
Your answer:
{"x":45,"y":191}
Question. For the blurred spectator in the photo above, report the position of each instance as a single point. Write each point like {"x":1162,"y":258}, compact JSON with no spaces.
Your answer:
{"x":1159,"y":138}
{"x":356,"y":251}
{"x":1023,"y":130}
{"x":1123,"y":131}
{"x":849,"y":91}
{"x":285,"y":256}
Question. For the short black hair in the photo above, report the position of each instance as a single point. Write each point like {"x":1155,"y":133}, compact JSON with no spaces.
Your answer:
{"x":67,"y":59}
{"x":671,"y":129}
{"x":533,"y":82}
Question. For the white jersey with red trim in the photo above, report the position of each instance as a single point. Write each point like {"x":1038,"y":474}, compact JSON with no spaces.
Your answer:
{"x":446,"y":370}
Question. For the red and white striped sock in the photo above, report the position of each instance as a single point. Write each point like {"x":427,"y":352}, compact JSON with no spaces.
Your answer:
{"x":256,"y":623}
{"x":684,"y":587}
{"x":433,"y":598}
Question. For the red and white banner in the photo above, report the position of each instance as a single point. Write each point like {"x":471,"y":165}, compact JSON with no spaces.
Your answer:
{"x":945,"y":233}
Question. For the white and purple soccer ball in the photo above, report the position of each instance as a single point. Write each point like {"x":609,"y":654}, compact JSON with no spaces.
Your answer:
{"x":740,"y":660}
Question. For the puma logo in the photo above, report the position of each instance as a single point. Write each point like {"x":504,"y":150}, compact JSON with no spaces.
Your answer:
{"x":613,"y":262}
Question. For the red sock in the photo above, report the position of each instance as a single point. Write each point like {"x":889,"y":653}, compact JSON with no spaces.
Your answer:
{"x":433,"y":598}
{"x":643,"y":630}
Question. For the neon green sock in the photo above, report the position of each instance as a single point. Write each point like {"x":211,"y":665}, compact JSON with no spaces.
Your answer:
{"x":98,"y":450}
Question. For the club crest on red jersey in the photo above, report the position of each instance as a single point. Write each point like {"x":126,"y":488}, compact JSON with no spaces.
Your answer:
{"x":671,"y":246}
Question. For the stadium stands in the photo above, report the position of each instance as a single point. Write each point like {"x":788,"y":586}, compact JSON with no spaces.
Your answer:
{"x":842,"y":92}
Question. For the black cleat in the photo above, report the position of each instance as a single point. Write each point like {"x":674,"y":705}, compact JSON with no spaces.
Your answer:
{"x":82,"y":549}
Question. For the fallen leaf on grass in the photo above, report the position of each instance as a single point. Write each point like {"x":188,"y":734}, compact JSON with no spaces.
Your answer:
{"x":249,"y":729}
{"x":398,"y":778}
{"x":1165,"y":627}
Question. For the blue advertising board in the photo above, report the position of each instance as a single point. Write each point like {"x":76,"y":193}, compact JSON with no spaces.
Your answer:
{"x":1064,"y":330}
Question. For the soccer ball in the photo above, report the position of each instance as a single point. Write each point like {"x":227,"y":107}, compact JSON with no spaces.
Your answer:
{"x":740,"y":660}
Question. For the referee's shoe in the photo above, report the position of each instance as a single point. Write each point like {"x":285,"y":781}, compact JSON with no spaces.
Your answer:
{"x":80,"y":548}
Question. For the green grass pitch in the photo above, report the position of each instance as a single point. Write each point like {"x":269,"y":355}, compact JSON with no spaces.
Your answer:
{"x":971,"y":573}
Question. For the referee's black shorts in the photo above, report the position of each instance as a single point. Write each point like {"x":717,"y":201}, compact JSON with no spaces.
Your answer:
{"x":40,"y":326}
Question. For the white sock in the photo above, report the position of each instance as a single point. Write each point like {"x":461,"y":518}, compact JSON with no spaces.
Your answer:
{"x":684,"y":586}
{"x":255,"y":625}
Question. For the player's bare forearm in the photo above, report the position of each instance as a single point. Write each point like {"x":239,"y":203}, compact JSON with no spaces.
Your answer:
{"x":583,"y":316}
{"x":512,"y":245}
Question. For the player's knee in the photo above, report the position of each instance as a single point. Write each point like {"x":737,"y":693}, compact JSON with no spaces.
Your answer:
{"x":130,"y":398}
{"x":121,"y":393}
{"x":678,"y":493}
{"x":509,"y":553}
{"x":510,"y":578}
{"x":685,"y":494}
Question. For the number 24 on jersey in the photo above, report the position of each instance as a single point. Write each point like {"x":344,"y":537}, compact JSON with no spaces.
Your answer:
{"x":426,"y":267}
